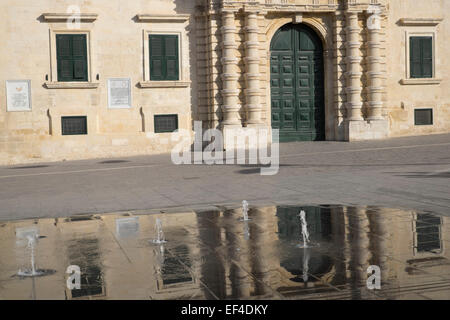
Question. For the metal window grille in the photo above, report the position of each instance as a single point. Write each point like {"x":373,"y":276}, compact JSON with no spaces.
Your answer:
{"x":74,"y":125}
{"x":166,"y":123}
{"x":423,"y":117}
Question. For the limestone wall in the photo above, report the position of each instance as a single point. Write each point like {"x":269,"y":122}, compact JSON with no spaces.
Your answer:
{"x":117,"y":40}
{"x":404,"y":97}
{"x":366,"y":73}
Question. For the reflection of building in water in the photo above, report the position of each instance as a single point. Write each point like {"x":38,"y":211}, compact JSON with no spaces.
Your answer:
{"x":237,"y":255}
{"x":213,"y":255}
{"x":359,"y":249}
{"x":351,"y":239}
{"x":302,"y":262}
{"x":149,"y":271}
{"x":212,"y":268}
{"x":422,"y":238}
{"x":262,"y":246}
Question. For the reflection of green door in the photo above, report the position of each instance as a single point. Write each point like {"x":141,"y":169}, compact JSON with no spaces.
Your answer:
{"x":318,"y":221}
{"x":296,"y":81}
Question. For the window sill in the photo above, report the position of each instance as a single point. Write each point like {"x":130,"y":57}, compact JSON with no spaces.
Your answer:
{"x":72,"y":85}
{"x":164,"y":84}
{"x":420,"y":81}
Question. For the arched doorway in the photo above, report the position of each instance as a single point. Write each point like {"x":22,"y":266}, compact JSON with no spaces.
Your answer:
{"x":297,"y":84}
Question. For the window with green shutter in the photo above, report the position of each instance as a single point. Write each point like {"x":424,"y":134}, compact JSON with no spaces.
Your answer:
{"x":164,"y":59}
{"x":421,"y":57}
{"x":71,"y":54}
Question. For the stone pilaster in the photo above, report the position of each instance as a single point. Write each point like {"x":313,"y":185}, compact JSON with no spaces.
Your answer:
{"x":252,"y":75}
{"x":339,"y":72}
{"x":354,"y":89}
{"x":230,"y":93}
{"x":374,"y":72}
{"x":356,"y":127}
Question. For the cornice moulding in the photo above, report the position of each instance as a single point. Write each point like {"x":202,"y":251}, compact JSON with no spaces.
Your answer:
{"x":420,"y":21}
{"x":164,"y":84}
{"x":162,"y":18}
{"x":58,"y":17}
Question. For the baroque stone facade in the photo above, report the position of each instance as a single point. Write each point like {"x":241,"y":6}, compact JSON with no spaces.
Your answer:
{"x":358,"y":75}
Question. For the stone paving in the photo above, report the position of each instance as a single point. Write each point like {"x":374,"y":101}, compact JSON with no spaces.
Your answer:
{"x":410,"y":173}
{"x":215,"y":255}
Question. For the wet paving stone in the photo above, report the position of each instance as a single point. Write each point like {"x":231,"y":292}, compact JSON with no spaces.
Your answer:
{"x":216,"y":255}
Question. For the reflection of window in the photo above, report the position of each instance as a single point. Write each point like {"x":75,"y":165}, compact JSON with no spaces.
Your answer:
{"x":428,"y":233}
{"x":173,"y":270}
{"x":85,"y":253}
{"x":71,"y":55}
{"x":91,"y":282}
{"x":318,"y":220}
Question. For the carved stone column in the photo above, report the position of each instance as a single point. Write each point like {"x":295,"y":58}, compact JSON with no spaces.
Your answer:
{"x":230,"y":93}
{"x":339,"y":72}
{"x":252,"y":76}
{"x":374,"y":72}
{"x":354,"y":104}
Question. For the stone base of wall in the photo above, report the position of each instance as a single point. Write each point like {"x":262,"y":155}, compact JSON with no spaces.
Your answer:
{"x":251,"y":137}
{"x":366,"y":130}
{"x":51,"y":149}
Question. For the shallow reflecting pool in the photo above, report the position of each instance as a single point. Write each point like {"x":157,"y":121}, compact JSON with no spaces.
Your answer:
{"x":216,"y":255}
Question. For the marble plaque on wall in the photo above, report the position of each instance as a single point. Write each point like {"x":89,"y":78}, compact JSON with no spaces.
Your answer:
{"x":18,"y":95}
{"x":119,"y":93}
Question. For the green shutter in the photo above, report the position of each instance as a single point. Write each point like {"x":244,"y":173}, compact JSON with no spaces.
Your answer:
{"x":427,"y":57}
{"x":421,"y":57}
{"x":156,"y":57}
{"x":164,"y":58}
{"x":171,"y":57}
{"x":64,"y":57}
{"x":71,"y":52}
{"x":79,"y":53}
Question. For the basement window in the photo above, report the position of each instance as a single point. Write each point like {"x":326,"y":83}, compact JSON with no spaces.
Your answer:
{"x":166,"y":123}
{"x":74,"y":125}
{"x":423,"y":117}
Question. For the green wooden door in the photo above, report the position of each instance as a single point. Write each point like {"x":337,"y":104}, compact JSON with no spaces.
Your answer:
{"x":296,"y":81}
